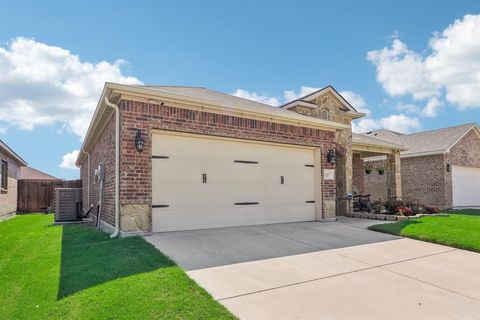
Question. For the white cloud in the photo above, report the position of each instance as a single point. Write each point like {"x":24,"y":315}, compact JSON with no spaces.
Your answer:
{"x":263,"y":98}
{"x":430,"y":110}
{"x":408,"y":107}
{"x":44,"y":85}
{"x":401,"y":71}
{"x":356,"y":101}
{"x":396,"y":122}
{"x":290,"y":95}
{"x":68,"y":160}
{"x":451,"y":71}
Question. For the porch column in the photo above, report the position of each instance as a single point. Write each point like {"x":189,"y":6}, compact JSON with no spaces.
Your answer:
{"x":394,"y":176}
{"x":358,"y":171}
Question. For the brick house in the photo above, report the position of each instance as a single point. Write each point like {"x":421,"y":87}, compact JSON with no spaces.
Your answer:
{"x":440,"y":168}
{"x":179,"y":158}
{"x":9,"y":172}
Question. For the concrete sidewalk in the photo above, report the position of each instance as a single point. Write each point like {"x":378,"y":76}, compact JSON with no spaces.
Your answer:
{"x":399,"y":279}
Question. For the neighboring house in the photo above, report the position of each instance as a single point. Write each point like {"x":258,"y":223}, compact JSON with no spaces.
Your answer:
{"x":31,"y":174}
{"x":10,"y":163}
{"x":179,"y":158}
{"x":36,"y":190}
{"x":440,"y":168}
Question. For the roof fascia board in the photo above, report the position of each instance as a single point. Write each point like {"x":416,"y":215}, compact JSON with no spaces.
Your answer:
{"x":373,"y":148}
{"x":208,"y":105}
{"x":384,"y":145}
{"x":12,"y":153}
{"x":99,"y":111}
{"x":422,"y":154}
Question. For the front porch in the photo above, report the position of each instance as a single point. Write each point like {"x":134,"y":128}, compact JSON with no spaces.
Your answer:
{"x":382,"y":158}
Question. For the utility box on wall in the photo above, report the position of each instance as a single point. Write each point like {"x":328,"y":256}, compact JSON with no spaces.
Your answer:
{"x":68,"y":204}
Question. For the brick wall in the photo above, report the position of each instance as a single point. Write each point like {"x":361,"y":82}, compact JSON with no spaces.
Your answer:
{"x":375,"y":184}
{"x":423,"y":179}
{"x":136,"y":167}
{"x":8,"y":198}
{"x":466,"y":152}
{"x":103,"y":151}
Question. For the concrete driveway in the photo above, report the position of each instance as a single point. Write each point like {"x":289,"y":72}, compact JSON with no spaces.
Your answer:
{"x":327,"y":271}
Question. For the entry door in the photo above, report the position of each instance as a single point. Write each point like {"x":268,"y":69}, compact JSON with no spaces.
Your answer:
{"x":200,"y":182}
{"x":466,"y":186}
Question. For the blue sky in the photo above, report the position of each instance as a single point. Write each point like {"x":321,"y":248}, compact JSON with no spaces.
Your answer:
{"x":407,"y":63}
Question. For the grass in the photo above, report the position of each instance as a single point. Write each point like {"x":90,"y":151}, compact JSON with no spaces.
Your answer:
{"x":461,"y":229}
{"x":77,"y":272}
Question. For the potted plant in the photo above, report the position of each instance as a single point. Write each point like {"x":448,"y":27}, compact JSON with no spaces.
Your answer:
{"x":368,"y":168}
{"x":381,"y":170}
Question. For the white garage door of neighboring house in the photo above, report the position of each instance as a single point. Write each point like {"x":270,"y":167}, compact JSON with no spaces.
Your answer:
{"x":466,"y":186}
{"x":200,"y":182}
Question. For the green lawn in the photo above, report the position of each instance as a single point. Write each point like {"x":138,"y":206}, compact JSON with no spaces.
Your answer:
{"x":77,"y":272}
{"x":461,"y":229}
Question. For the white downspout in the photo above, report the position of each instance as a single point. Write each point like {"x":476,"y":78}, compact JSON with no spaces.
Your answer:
{"x":116,"y":233}
{"x":88,"y":176}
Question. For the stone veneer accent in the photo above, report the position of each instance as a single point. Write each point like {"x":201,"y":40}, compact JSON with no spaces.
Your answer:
{"x":358,"y":173}
{"x":8,"y":198}
{"x":136,"y":168}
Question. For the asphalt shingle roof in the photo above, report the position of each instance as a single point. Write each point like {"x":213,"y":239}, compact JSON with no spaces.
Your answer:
{"x":208,"y":94}
{"x":29,"y":173}
{"x":364,"y":139}
{"x":425,"y":142}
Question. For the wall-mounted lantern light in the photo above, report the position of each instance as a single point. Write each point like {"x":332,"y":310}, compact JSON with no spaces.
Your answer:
{"x":449,"y":167}
{"x":331,"y":156}
{"x":139,"y":142}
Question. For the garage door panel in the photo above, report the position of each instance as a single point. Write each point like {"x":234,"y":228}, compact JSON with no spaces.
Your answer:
{"x":195,"y":204}
{"x":176,"y":147}
{"x":246,"y":173}
{"x":170,"y":171}
{"x":465,"y":186}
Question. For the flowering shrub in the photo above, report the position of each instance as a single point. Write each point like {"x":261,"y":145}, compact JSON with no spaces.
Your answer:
{"x":408,"y":208}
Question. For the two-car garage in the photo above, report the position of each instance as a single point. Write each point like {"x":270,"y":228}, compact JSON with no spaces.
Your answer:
{"x":206,"y":182}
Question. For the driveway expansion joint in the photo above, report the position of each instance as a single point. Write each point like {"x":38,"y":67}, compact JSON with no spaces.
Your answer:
{"x":381,"y":266}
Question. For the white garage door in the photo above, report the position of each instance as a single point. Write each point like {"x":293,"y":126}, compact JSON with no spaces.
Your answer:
{"x":200,"y":182}
{"x":466,"y":186}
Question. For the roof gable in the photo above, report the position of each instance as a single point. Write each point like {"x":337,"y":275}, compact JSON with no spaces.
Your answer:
{"x":310,"y":100}
{"x":426,"y":142}
{"x":29,"y":173}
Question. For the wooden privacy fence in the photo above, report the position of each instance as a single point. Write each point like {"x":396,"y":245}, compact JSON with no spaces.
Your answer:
{"x":38,"y":196}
